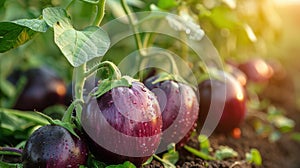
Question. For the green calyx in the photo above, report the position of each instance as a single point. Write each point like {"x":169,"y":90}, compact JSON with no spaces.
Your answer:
{"x":108,"y":84}
{"x":166,"y":76}
{"x":111,"y":78}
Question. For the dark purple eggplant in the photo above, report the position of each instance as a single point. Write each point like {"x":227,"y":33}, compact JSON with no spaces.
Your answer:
{"x":179,"y":106}
{"x":233,"y":102}
{"x":257,"y":70}
{"x":123,"y":124}
{"x":54,"y":146}
{"x":42,"y":89}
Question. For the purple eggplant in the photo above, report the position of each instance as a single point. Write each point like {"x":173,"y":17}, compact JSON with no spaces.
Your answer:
{"x":123,"y":124}
{"x":179,"y":105}
{"x":234,"y":102}
{"x":42,"y":89}
{"x":54,"y":146}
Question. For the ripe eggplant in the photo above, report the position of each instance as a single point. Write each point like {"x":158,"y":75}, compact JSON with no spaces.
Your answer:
{"x":54,"y":146}
{"x":123,"y":124}
{"x":234,"y":102}
{"x":179,"y":105}
{"x":42,"y":89}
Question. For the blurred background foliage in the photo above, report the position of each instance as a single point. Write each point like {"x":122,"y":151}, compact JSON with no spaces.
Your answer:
{"x":239,"y":29}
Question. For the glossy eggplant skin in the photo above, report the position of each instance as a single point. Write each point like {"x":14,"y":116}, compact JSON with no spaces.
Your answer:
{"x":234,"y":102}
{"x":179,"y":106}
{"x":54,"y":146}
{"x":257,"y":70}
{"x":42,"y":89}
{"x":123,"y":124}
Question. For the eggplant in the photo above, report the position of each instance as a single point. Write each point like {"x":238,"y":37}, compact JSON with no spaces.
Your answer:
{"x":179,"y":105}
{"x":43,"y":89}
{"x":54,"y":146}
{"x":123,"y":124}
{"x":234,"y":102}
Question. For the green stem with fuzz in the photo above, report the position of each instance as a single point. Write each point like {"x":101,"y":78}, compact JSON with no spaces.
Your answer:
{"x":68,"y":114}
{"x":100,"y":12}
{"x":81,"y":70}
{"x":114,"y":72}
{"x":137,"y":38}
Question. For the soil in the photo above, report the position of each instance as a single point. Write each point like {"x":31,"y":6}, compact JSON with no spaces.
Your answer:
{"x":280,"y":154}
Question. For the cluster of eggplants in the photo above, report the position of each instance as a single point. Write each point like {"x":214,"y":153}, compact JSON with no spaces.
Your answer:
{"x":54,"y":146}
{"x":132,"y":123}
{"x":123,"y":124}
{"x":179,"y":107}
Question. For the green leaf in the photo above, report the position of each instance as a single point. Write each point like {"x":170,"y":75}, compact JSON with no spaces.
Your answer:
{"x":81,"y":46}
{"x":37,"y":25}
{"x":126,"y":164}
{"x":166,"y":163}
{"x":18,"y":32}
{"x":52,"y":15}
{"x":283,"y":123}
{"x":148,"y":161}
{"x":254,"y":157}
{"x":55,"y":111}
{"x":16,"y":126}
{"x":204,"y":144}
{"x":224,"y":17}
{"x":225,"y":152}
{"x":107,"y":84}
{"x":167,"y":4}
{"x":172,"y":155}
{"x":13,"y":35}
{"x":92,"y":162}
{"x":10,"y":165}
{"x":70,"y":127}
{"x":77,"y":46}
{"x":28,"y":115}
{"x":199,"y":153}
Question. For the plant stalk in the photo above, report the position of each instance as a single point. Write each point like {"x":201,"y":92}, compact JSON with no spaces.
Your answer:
{"x":80,"y":71}
{"x":100,"y":13}
{"x":137,"y":38}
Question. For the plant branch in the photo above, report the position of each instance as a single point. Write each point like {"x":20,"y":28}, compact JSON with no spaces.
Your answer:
{"x":100,"y":13}
{"x":114,"y":72}
{"x":69,"y":5}
{"x":68,"y":114}
{"x":137,"y":38}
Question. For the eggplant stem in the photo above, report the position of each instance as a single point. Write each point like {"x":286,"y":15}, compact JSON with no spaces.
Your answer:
{"x":137,"y":38}
{"x":113,"y":70}
{"x":68,"y":114}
